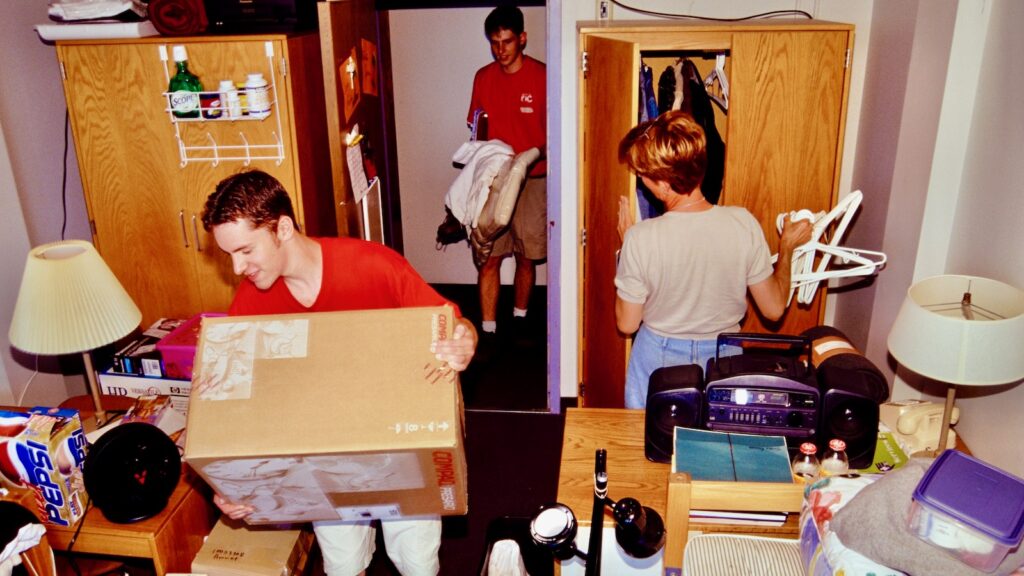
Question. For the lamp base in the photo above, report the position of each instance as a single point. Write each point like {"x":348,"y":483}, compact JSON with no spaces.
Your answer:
{"x":94,"y":389}
{"x":947,"y":415}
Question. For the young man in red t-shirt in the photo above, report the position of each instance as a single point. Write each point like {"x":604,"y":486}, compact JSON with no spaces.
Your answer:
{"x":512,"y":90}
{"x":251,"y":217}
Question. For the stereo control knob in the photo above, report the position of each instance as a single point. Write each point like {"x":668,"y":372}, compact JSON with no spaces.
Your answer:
{"x":794,"y":420}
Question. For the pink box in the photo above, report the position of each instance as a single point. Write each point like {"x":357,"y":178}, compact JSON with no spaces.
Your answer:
{"x":178,"y":349}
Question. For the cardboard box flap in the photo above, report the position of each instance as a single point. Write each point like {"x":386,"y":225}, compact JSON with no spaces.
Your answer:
{"x":298,"y":383}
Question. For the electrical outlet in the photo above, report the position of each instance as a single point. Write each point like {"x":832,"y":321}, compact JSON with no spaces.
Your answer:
{"x":604,"y":9}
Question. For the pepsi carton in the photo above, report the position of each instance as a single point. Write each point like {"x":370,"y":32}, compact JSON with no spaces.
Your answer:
{"x":42,"y":450}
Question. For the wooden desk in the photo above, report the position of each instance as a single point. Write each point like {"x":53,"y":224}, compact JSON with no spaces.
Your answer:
{"x":630,"y":474}
{"x":171,"y":539}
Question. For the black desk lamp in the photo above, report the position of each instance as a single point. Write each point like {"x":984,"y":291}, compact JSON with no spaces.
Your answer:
{"x":639,"y":530}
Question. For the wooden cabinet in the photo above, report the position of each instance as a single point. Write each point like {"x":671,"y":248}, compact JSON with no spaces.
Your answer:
{"x":146,"y":176}
{"x":783,"y":135}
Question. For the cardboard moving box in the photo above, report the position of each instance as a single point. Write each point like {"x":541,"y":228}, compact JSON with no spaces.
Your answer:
{"x":234,"y":549}
{"x":326,"y":416}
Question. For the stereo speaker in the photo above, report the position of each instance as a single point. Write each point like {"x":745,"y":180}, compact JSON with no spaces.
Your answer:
{"x":674,"y":398}
{"x":851,"y":387}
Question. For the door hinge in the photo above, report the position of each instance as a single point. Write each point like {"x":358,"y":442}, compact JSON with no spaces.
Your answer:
{"x":846,"y":64}
{"x":583,"y":237}
{"x":584,"y":63}
{"x":63,"y":73}
{"x":284,"y":67}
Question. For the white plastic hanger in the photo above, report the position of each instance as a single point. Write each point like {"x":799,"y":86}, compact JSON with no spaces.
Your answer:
{"x":719,"y":94}
{"x":804,"y":277}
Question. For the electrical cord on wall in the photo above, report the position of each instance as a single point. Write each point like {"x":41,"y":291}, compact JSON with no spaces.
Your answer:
{"x":64,"y":182}
{"x":771,"y":14}
{"x":21,"y":397}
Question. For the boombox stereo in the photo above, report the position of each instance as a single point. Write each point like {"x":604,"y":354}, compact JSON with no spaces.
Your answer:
{"x":770,"y":390}
{"x":807,"y":388}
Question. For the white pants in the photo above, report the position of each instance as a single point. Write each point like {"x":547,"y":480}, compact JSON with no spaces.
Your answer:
{"x":412,"y":545}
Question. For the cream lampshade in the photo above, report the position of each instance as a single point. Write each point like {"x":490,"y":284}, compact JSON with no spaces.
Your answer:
{"x":70,"y":302}
{"x":961,"y":330}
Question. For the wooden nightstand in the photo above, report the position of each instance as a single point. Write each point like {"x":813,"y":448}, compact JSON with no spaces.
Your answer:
{"x":171,"y":539}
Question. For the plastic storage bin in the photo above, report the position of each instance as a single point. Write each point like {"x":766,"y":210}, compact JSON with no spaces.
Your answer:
{"x":178,"y":349}
{"x":970,"y":509}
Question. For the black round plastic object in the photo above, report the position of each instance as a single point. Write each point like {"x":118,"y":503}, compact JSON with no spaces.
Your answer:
{"x":131,"y":471}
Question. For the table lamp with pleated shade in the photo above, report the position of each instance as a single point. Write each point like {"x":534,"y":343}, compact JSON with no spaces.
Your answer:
{"x":70,"y":302}
{"x":963,"y":331}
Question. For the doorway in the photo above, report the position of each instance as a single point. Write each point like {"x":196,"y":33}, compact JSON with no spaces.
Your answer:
{"x":435,"y":53}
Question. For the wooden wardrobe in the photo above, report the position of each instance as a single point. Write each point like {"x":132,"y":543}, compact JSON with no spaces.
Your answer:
{"x":783,"y":134}
{"x":146,"y":174}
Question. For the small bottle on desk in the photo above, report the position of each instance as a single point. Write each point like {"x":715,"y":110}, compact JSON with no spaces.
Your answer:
{"x":834,"y":461}
{"x":805,"y":464}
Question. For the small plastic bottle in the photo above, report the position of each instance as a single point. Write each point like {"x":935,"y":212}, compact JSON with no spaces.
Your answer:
{"x":234,"y":104}
{"x":805,"y":464}
{"x":834,"y":461}
{"x":225,"y":87}
{"x":258,"y":95}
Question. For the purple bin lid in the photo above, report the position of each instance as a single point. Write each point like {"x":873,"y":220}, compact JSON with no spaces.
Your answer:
{"x":975,"y":493}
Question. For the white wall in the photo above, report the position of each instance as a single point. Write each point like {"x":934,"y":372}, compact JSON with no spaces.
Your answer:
{"x":32,"y":125}
{"x":987,"y":235}
{"x":433,"y":77}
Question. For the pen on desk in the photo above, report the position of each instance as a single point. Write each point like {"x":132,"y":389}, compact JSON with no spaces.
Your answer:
{"x":601,"y":473}
{"x":593,"y":567}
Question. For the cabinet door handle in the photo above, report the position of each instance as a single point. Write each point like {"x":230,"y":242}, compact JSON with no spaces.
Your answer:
{"x":184,"y":232}
{"x":195,"y":232}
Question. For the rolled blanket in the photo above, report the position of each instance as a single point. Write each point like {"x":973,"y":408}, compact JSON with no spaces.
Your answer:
{"x":178,"y":17}
{"x":837,"y":360}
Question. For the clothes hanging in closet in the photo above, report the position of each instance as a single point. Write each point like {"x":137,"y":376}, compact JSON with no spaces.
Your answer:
{"x":648,"y":101}
{"x":700,"y":107}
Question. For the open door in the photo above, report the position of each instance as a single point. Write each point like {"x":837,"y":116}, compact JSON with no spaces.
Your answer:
{"x":609,"y":104}
{"x":800,"y":110}
{"x":356,"y":52}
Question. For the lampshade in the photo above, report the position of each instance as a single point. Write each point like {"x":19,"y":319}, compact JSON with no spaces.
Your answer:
{"x":962,"y":330}
{"x":70,"y":302}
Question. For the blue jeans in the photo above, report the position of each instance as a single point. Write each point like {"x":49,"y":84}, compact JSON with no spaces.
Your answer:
{"x":651,"y":351}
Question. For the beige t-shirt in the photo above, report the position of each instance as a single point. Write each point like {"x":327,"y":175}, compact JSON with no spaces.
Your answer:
{"x":691,"y":270}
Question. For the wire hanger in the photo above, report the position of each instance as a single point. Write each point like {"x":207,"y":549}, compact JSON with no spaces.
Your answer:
{"x":718,"y":91}
{"x":804,"y":277}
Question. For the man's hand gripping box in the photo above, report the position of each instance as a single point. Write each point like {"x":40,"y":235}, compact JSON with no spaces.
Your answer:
{"x":328,"y":416}
{"x":43,"y":450}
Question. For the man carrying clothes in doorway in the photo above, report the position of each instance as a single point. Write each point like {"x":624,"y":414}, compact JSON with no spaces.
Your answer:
{"x":251,"y":218}
{"x":512,"y":91}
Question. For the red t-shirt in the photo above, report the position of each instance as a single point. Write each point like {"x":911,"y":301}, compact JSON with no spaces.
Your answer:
{"x":516,"y":106}
{"x":358,"y":275}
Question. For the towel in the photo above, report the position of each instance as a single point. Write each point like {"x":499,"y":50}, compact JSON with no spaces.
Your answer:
{"x":481,"y":162}
{"x":178,"y":17}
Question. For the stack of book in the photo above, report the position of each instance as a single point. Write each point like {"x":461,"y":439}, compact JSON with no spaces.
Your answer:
{"x":732,"y":457}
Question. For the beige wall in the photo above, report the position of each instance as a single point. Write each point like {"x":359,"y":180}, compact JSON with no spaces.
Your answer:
{"x":433,"y":77}
{"x":987,"y":235}
{"x":32,"y":126}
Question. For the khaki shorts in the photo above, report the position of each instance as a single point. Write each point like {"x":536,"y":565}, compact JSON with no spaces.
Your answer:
{"x":528,"y":232}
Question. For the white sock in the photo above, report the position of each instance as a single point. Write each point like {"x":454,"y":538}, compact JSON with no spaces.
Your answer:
{"x":489,"y":326}
{"x":518,"y":312}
